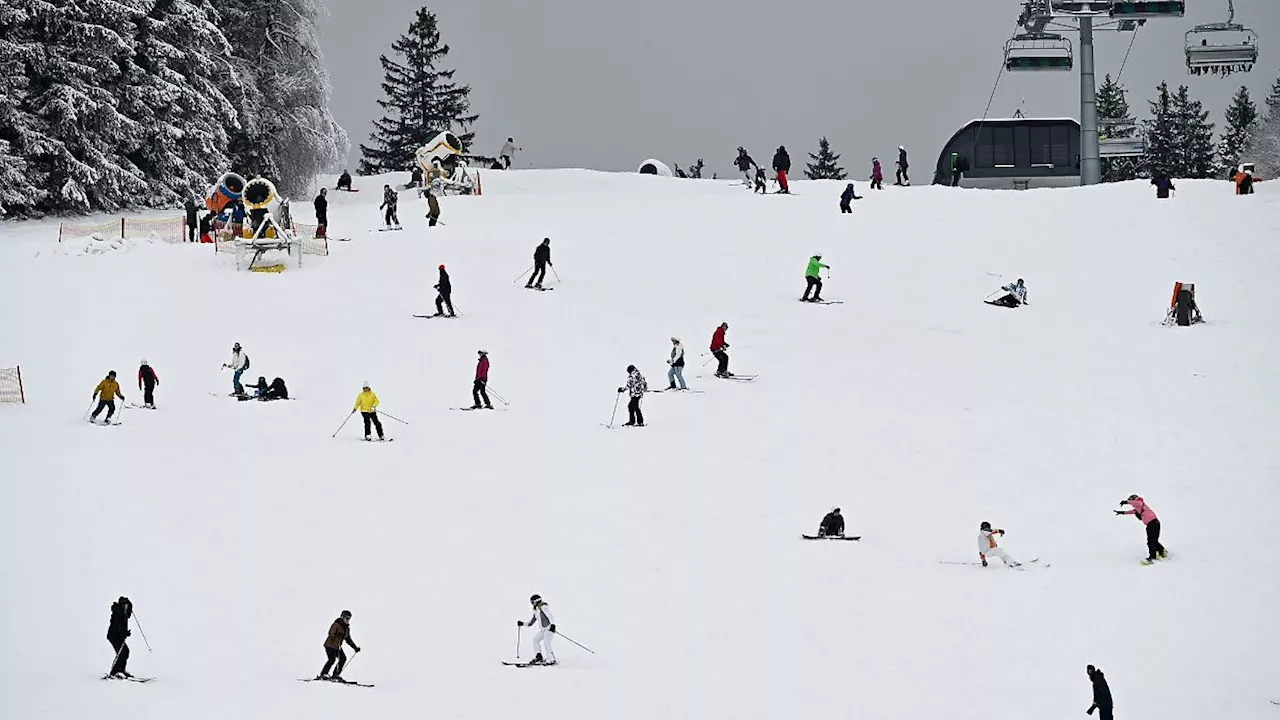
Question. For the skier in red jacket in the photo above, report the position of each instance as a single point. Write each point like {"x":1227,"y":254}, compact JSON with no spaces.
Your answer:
{"x":718,"y":347}
{"x":482,"y":380}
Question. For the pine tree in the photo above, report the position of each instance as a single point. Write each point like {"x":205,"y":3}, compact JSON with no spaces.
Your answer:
{"x":1113,"y":112}
{"x":20,"y":190}
{"x":285,"y":131}
{"x":1198,"y":154}
{"x":695,"y":170}
{"x":1263,"y":148}
{"x":422,"y":100}
{"x":825,"y":165}
{"x":178,"y":98}
{"x":1242,"y":122}
{"x":1161,"y":159}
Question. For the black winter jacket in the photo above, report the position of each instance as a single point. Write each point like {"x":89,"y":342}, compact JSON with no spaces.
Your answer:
{"x":782,"y":161}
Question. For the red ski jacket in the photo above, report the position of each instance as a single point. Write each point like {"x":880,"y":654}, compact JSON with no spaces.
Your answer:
{"x":717,"y":339}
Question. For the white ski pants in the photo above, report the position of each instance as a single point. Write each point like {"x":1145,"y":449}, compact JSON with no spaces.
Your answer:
{"x":996,"y":552}
{"x":542,"y":644}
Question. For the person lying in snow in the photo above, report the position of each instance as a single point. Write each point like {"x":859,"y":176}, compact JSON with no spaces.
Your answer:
{"x":1013,"y":296}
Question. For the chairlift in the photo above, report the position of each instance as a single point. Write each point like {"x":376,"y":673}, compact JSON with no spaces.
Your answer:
{"x":1120,"y":137}
{"x":1037,"y":51}
{"x":1080,"y":7}
{"x":1131,"y":9}
{"x":1221,"y":48}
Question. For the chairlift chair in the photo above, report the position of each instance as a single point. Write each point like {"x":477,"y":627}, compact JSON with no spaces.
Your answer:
{"x":1080,"y":7}
{"x":1132,"y":9}
{"x":1221,"y":48}
{"x":1120,"y":137}
{"x":1038,"y":51}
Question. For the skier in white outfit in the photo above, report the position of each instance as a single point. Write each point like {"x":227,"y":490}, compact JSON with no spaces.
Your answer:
{"x":987,"y":546}
{"x":545,"y":626}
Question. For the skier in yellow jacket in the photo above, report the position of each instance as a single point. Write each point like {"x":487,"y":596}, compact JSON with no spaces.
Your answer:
{"x":106,"y":393}
{"x":367,"y":404}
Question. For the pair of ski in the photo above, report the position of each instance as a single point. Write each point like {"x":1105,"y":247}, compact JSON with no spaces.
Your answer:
{"x":437,"y":315}
{"x":679,"y":390}
{"x":822,"y":302}
{"x":469,"y":409}
{"x":128,"y":678}
{"x":103,"y":423}
{"x":378,"y":439}
{"x":1020,"y":566}
{"x":390,"y":229}
{"x":739,"y":378}
{"x":140,"y":407}
{"x":530,"y":663}
{"x":336,"y":681}
{"x":831,"y":537}
{"x":539,"y":289}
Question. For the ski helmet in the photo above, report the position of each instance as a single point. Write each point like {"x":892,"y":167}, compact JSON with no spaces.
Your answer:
{"x":631,"y":368}
{"x":1133,"y":497}
{"x":346,"y":613}
{"x":365,"y":385}
{"x":535,"y":598}
{"x":441,"y":267}
{"x":144,"y":362}
{"x":835,"y":510}
{"x":984,"y":526}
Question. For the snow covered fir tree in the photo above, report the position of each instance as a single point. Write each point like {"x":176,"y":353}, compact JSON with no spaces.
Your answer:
{"x":422,"y":99}
{"x":825,"y":165}
{"x":1241,"y":122}
{"x":1262,"y":147}
{"x":1179,"y":137}
{"x":165,"y":97}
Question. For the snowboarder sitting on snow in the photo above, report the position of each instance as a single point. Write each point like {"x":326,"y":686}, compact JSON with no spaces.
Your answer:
{"x":1141,"y":510}
{"x":760,"y":182}
{"x":1101,"y":694}
{"x":987,"y":546}
{"x":259,"y":388}
{"x":344,"y":181}
{"x":546,"y":625}
{"x":117,"y":631}
{"x":1015,"y":295}
{"x":276,"y":391}
{"x":846,"y":197}
{"x":106,"y":393}
{"x":813,"y":279}
{"x":832,"y":524}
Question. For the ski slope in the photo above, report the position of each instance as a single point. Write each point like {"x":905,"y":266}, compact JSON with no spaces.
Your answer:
{"x":240,"y":530}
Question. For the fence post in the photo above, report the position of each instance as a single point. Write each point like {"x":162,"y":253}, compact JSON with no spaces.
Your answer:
{"x":22,"y":395}
{"x":121,"y":227}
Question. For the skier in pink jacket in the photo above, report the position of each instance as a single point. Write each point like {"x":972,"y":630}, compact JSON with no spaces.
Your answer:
{"x":1140,"y":509}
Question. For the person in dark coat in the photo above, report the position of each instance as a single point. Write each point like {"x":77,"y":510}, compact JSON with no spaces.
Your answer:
{"x":117,"y":631}
{"x":339,"y":633}
{"x":415,"y":177}
{"x":901,"y":174}
{"x":832,"y":524}
{"x":760,"y":182}
{"x":541,"y":259}
{"x":848,"y":196}
{"x":1101,"y":694}
{"x":148,"y":381}
{"x":277,"y":390}
{"x":782,"y":166}
{"x":1164,"y":187}
{"x":444,"y":289}
{"x":744,"y":163}
{"x":478,"y":392}
{"x":192,"y":222}
{"x":344,"y":181}
{"x":322,"y":213}
{"x":206,"y":227}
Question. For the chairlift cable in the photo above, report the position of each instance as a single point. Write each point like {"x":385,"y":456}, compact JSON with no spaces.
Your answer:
{"x":1126,"y":53}
{"x":990,"y":100}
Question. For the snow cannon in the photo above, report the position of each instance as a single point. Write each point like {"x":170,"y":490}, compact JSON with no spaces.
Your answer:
{"x":226,"y":191}
{"x":1183,"y":309}
{"x":259,"y":193}
{"x":655,"y":167}
{"x":444,"y":145}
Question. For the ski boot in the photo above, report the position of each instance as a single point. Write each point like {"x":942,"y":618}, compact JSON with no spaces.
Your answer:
{"x":537,"y":660}
{"x":477,"y":406}
{"x":1164,"y":554}
{"x":488,"y":407}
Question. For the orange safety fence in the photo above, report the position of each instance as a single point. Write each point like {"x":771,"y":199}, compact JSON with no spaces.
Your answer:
{"x":166,"y":229}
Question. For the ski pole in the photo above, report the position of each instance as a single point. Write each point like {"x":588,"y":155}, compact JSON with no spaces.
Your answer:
{"x":522,"y":272}
{"x":344,"y":424}
{"x":518,"y":641}
{"x":553,"y":272}
{"x":495,"y":394}
{"x":614,"y":414}
{"x":143,"y":633}
{"x":575,"y":642}
{"x":89,"y":409}
{"x":393,"y":417}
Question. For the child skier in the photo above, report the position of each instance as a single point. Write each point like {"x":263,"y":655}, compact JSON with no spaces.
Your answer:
{"x":832,"y":524}
{"x":546,"y":627}
{"x":636,"y":388}
{"x":1140,"y":509}
{"x":987,"y":546}
{"x":760,"y":182}
{"x":389,"y":200}
{"x":367,"y":404}
{"x":813,"y":279}
{"x":148,"y":381}
{"x":676,"y":361}
{"x":106,"y":393}
{"x":877,"y":175}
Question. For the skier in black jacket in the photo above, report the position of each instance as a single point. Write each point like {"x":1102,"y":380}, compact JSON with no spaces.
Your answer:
{"x":117,"y":631}
{"x":901,"y":174}
{"x":1101,"y":694}
{"x":846,"y":197}
{"x":322,"y":213}
{"x":541,"y":259}
{"x":832,"y":524}
{"x":744,"y":164}
{"x":191,"y":222}
{"x":782,"y":166}
{"x":445,"y":289}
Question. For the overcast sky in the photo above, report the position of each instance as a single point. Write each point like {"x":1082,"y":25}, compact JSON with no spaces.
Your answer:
{"x":608,"y":83}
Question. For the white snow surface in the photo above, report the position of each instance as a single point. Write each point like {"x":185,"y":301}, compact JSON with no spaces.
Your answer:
{"x":241,"y":530}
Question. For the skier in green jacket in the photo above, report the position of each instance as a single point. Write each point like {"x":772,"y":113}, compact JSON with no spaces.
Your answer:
{"x":814,"y":279}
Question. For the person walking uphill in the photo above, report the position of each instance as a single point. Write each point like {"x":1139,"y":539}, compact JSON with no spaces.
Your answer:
{"x":478,"y":391}
{"x":1101,"y":694}
{"x":192,"y":223}
{"x":106,"y":393}
{"x":541,"y":259}
{"x":390,"y":199}
{"x":847,"y":197}
{"x":148,"y":381}
{"x":1141,"y":510}
{"x":339,"y":632}
{"x":636,"y":388}
{"x":239,"y":363}
{"x":813,"y":279}
{"x":546,"y":627}
{"x":782,"y":166}
{"x":117,"y":631}
{"x":900,"y":176}
{"x":877,"y":175}
{"x":367,"y":404}
{"x":718,"y":347}
{"x":676,"y":361}
{"x":444,"y":290}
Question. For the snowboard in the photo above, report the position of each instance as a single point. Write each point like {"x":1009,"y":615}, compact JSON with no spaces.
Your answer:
{"x":336,"y":682}
{"x":528,"y":664}
{"x":831,"y":537}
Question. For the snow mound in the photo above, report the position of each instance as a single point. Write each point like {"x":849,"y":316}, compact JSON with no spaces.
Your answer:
{"x":99,"y":244}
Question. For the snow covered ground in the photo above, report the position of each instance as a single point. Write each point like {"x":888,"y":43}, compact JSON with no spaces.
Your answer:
{"x":240,"y":530}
